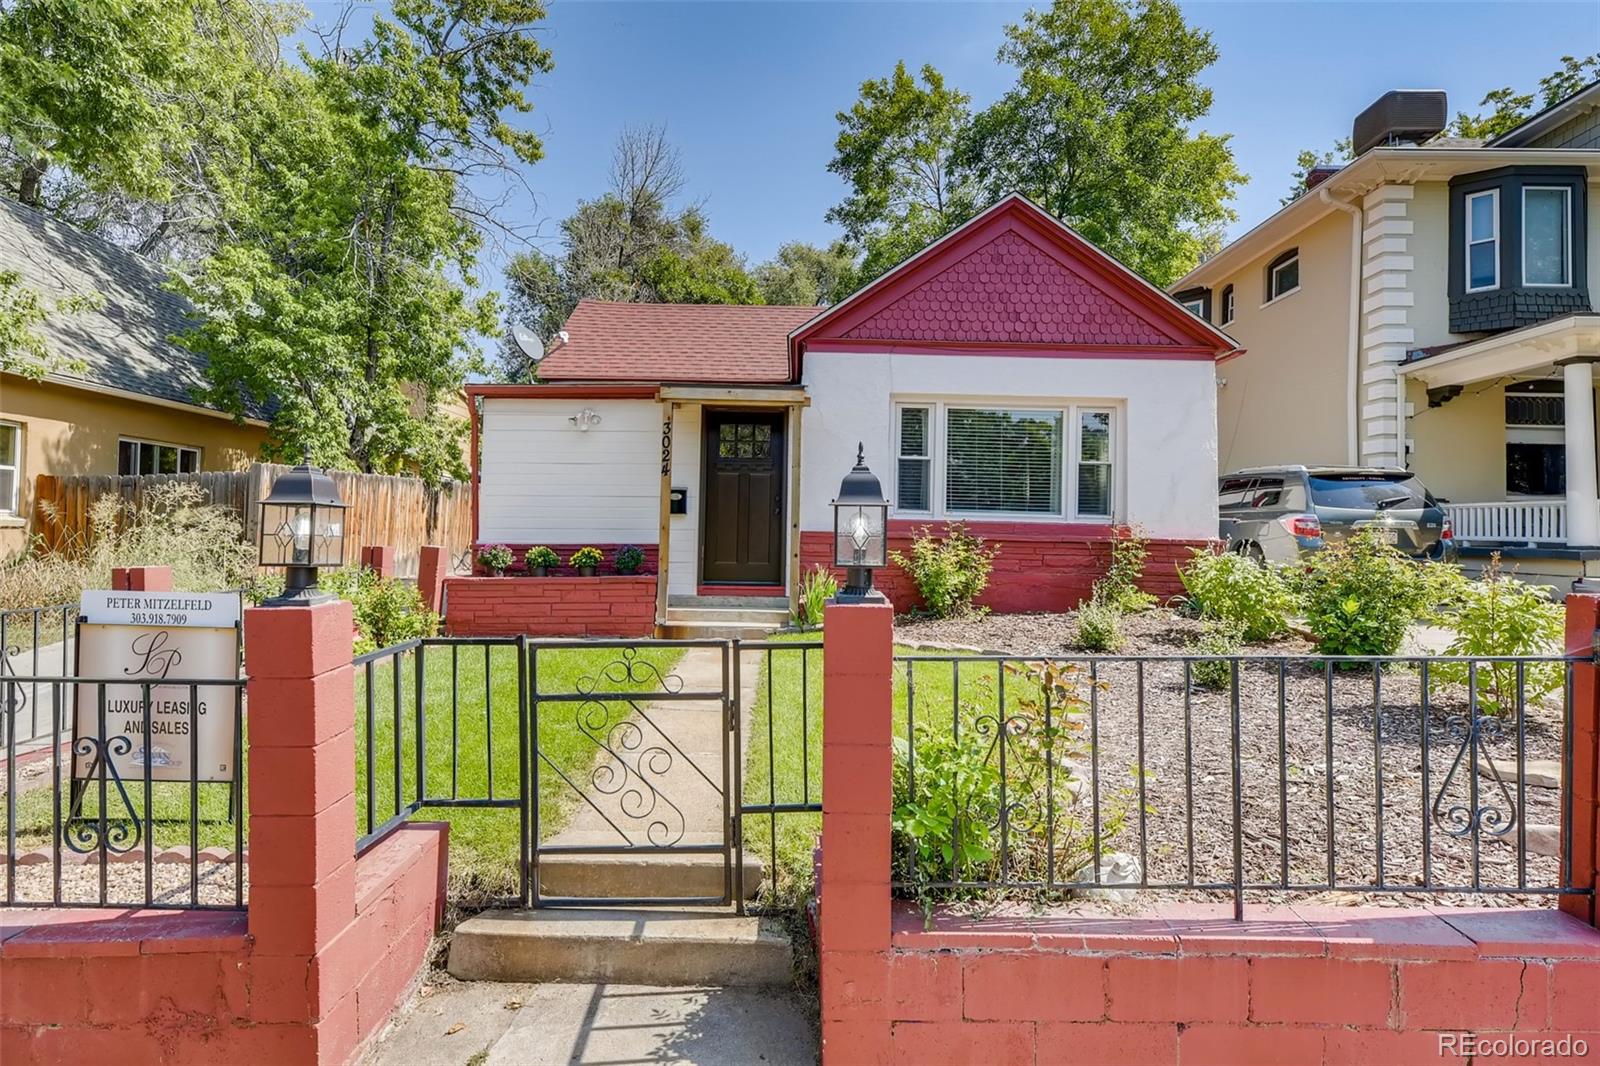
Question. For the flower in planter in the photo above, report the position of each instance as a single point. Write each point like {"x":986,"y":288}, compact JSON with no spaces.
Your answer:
{"x":541,"y":559}
{"x":586,"y":560}
{"x":629,"y":559}
{"x":496,"y":558}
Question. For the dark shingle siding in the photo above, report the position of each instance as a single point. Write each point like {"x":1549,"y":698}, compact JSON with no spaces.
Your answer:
{"x":1502,"y":309}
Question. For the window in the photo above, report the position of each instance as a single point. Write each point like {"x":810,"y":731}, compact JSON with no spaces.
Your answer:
{"x":1546,"y":236}
{"x":1195,"y":301}
{"x":913,"y":488}
{"x":150,"y":457}
{"x":1195,"y":307}
{"x":1227,"y":304}
{"x":1283,"y":275}
{"x":1004,"y":462}
{"x":1094,"y":464}
{"x":10,"y":466}
{"x":1483,"y":240}
{"x":1536,"y":450}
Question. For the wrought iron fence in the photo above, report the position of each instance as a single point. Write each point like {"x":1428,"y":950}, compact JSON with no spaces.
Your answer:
{"x":1418,"y":774}
{"x":118,"y":818}
{"x":35,"y":642}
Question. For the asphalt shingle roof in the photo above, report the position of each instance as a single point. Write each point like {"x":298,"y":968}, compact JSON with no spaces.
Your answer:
{"x":123,"y":344}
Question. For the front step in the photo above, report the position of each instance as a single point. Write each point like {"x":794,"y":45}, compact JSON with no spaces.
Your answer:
{"x":657,"y":947}
{"x":624,"y":876}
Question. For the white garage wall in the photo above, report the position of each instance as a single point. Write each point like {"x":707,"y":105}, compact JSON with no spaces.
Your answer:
{"x":545,"y":482}
{"x":1167,"y":414}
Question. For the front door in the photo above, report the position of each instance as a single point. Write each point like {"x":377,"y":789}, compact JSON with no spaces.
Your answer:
{"x":742,"y":529}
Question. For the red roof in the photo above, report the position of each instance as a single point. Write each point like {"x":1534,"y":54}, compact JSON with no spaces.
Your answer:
{"x":675,"y":343}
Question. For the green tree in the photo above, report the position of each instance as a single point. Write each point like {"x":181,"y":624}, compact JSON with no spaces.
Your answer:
{"x":1309,"y":160}
{"x":802,"y":274}
{"x":1502,"y":110}
{"x":23,"y":349}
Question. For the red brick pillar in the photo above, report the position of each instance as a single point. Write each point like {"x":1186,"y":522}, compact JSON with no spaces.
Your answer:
{"x":431,"y":568}
{"x":1581,"y":838}
{"x":141,"y":578}
{"x":857,"y":731}
{"x":302,"y":819}
{"x":378,"y":558}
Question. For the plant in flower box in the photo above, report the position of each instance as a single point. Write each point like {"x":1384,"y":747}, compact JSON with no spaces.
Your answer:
{"x":541,"y":560}
{"x":495,"y":559}
{"x":629,"y":559}
{"x":586,"y":561}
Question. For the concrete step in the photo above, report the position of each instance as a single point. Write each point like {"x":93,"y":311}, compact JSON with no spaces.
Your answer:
{"x":735,"y":603}
{"x":625,"y":876}
{"x":690,"y":947}
{"x":755,"y":616}
{"x":718,"y":629}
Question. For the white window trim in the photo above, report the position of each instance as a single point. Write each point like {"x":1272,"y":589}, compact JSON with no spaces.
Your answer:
{"x":1272,"y":277}
{"x":199,"y":454}
{"x":1566,"y":237}
{"x":1071,"y":432}
{"x":10,"y":508}
{"x":1196,"y":307}
{"x":1493,"y":238}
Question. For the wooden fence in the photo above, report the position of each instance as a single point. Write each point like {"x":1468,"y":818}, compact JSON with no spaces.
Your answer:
{"x":401,"y":512}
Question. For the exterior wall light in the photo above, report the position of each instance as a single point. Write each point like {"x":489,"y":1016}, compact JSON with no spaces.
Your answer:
{"x":860,"y":528}
{"x":302,"y":528}
{"x":585,"y":420}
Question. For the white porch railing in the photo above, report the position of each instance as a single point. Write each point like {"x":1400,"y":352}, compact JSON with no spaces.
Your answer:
{"x":1518,"y":522}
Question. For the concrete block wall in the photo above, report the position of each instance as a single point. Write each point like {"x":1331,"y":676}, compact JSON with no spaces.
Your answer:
{"x":613,"y":606}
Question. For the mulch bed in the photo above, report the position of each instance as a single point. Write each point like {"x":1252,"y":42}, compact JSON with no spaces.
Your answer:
{"x":1188,"y":838}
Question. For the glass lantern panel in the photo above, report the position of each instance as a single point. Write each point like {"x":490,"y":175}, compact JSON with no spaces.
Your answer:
{"x":286,"y":535}
{"x":859,"y":535}
{"x":329,"y":541}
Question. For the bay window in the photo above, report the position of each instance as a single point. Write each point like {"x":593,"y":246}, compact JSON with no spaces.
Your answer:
{"x":1546,"y":236}
{"x":1483,"y":240}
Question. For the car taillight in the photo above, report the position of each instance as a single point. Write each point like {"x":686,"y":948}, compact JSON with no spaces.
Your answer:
{"x":1302,"y":525}
{"x":1447,"y":531}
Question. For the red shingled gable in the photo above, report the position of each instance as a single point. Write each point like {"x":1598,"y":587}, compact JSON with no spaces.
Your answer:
{"x":1013,"y":281}
{"x":675,"y":343}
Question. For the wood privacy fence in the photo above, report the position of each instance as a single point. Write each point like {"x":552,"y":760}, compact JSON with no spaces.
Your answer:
{"x":401,"y":512}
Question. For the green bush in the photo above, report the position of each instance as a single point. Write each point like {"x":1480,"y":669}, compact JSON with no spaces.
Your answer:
{"x":817,"y":587}
{"x":629,"y":559}
{"x":1232,"y":589}
{"x":1119,"y":587}
{"x":541,"y":556}
{"x":387,"y":610}
{"x":586,"y":557}
{"x":496,"y":558}
{"x":1498,"y":615}
{"x":1217,"y":638}
{"x":949,"y":572}
{"x":1099,"y":627}
{"x":1360,"y":594}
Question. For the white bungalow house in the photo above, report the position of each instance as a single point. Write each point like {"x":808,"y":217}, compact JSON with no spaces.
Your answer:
{"x":1010,"y":377}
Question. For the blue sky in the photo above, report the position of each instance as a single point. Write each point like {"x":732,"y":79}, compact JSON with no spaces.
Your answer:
{"x":749,"y":91}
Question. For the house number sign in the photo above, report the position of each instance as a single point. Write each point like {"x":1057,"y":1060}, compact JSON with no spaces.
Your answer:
{"x":666,"y":448}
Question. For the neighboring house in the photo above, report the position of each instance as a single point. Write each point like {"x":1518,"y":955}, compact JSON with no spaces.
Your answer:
{"x":1427,"y":305}
{"x":131,"y":408}
{"x":1010,"y":376}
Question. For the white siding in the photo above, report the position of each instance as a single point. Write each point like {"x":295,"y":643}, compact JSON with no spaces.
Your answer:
{"x":683,"y":553}
{"x":1167,"y":417}
{"x":545,"y":482}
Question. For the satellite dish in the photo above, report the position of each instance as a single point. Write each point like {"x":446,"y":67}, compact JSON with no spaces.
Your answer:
{"x":527,"y":342}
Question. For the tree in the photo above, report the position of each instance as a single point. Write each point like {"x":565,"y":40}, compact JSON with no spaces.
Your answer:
{"x":1309,"y":160}
{"x":803,"y":274}
{"x":1507,"y":108}
{"x":23,"y":349}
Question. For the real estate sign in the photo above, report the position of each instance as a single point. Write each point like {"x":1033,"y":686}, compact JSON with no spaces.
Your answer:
{"x":160,"y":642}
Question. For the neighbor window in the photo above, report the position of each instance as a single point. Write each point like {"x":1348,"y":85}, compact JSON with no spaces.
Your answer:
{"x":1283,"y":275}
{"x":1536,"y":451}
{"x":1227,"y":305}
{"x":1483,"y":240}
{"x":10,"y":466}
{"x":1196,"y":307}
{"x":152,"y":457}
{"x":1546,"y":237}
{"x":913,"y":491}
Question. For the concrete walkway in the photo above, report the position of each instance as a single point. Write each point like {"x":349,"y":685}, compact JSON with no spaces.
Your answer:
{"x":485,"y":1024}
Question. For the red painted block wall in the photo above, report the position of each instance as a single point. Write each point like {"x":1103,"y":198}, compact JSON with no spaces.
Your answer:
{"x":613,"y":606}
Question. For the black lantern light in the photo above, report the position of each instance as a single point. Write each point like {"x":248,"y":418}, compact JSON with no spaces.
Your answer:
{"x":860,"y":527}
{"x":302,"y":528}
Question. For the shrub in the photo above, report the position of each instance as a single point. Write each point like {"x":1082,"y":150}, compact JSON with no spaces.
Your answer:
{"x":817,"y":587}
{"x":542,"y":556}
{"x":387,"y":610}
{"x":1232,"y":589}
{"x":496,"y":557}
{"x":1498,"y":615}
{"x":1119,"y":587}
{"x":1099,"y":627}
{"x":1360,"y":594}
{"x":586,"y":557}
{"x":629,"y":559}
{"x":949,"y":572}
{"x":1217,"y":638}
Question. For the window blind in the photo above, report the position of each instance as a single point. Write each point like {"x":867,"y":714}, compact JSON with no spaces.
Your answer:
{"x":1003,"y":461}
{"x":912,"y":491}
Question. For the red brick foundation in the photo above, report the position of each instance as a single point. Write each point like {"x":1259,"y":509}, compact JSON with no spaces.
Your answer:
{"x":1039,"y":567}
{"x":614,"y":606}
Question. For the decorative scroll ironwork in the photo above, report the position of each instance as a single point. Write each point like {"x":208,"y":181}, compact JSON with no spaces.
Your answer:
{"x":13,"y":696}
{"x":85,"y":833}
{"x":1495,"y":815}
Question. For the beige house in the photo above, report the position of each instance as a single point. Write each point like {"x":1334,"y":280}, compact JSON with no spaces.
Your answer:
{"x":1427,"y":306}
{"x":131,"y":408}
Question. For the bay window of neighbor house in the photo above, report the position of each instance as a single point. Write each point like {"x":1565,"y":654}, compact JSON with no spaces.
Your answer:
{"x":1483,"y":240}
{"x":967,"y":461}
{"x":1546,"y":236}
{"x":1536,"y":452}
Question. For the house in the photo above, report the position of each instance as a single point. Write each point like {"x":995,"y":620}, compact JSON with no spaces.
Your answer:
{"x":1427,"y":305}
{"x":130,"y":409}
{"x":1010,"y":376}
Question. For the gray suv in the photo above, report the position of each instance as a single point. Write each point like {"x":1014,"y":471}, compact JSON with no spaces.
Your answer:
{"x":1274,"y":513}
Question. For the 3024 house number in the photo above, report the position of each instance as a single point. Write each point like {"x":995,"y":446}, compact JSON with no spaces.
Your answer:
{"x":666,"y":448}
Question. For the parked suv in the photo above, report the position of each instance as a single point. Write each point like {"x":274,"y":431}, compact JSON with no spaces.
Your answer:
{"x":1275,"y":513}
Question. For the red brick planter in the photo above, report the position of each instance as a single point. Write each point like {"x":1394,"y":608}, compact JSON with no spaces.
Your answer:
{"x":606,"y":606}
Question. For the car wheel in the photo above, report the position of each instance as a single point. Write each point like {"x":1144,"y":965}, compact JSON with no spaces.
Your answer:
{"x":1254,"y":553}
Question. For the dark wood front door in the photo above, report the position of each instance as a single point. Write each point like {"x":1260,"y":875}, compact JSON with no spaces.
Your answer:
{"x":742,"y":523}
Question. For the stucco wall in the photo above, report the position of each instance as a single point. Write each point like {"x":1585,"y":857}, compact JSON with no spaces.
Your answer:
{"x":75,"y":431}
{"x":544,"y":481}
{"x":1460,"y":450}
{"x":1166,"y":477}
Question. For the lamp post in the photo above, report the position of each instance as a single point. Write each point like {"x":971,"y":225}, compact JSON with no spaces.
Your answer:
{"x":302,"y":528}
{"x":860,"y":528}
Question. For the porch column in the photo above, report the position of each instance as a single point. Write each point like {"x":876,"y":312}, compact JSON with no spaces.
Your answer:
{"x":1583,"y":507}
